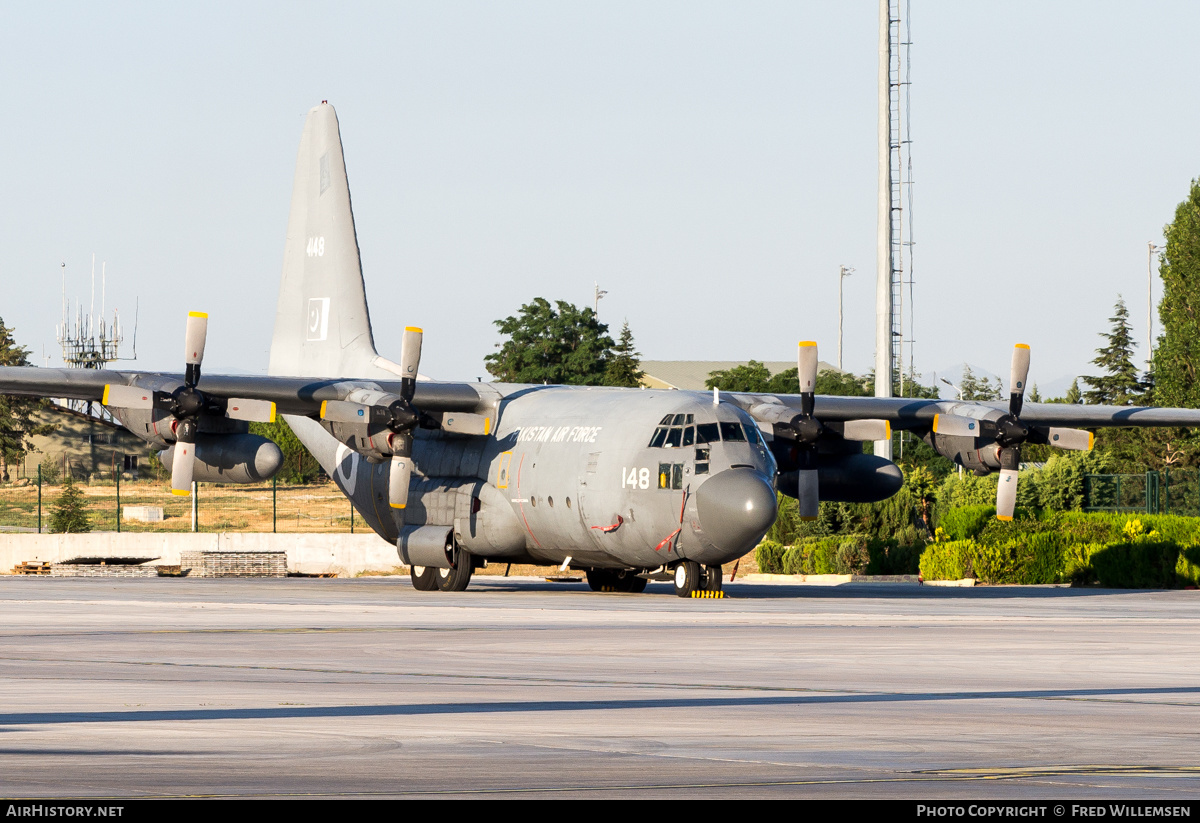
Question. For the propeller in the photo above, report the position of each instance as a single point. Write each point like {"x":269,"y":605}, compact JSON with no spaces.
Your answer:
{"x":398,"y":416}
{"x":807,"y":429}
{"x":187,"y":403}
{"x":1010,"y":433}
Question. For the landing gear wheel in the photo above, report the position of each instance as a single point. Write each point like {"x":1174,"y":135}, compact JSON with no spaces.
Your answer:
{"x":424,"y":578}
{"x":600,"y":579}
{"x":712,"y":578}
{"x":458,"y":578}
{"x":687,"y":578}
{"x":628,"y":581}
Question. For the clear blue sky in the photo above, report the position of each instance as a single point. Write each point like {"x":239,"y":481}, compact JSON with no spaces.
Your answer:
{"x":710,"y":164}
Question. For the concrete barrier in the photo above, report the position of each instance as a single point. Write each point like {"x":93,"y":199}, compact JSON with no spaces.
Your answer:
{"x":343,"y":554}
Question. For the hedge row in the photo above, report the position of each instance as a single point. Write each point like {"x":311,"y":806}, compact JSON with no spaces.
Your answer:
{"x":1114,"y":550}
{"x":839,"y":554}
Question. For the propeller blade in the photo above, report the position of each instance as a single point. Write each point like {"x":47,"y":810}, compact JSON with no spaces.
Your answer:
{"x":952,"y":425}
{"x":194,"y":338}
{"x":184,"y":459}
{"x":255,"y":411}
{"x":399,"y":476}
{"x":1073,"y":439}
{"x":1006,"y":490}
{"x":464,"y":423}
{"x":127,"y":397}
{"x":410,"y":360}
{"x":865,"y":430}
{"x":806,"y":371}
{"x":343,"y":411}
{"x":807,"y":487}
{"x":1020,"y":374}
{"x":1006,"y":494}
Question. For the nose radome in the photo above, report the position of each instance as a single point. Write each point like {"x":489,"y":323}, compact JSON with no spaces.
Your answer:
{"x":736,"y":507}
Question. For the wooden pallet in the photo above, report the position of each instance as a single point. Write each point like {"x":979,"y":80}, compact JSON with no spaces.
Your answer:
{"x":35,"y":567}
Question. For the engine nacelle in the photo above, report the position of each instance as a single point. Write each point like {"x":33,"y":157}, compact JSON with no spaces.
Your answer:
{"x":232,"y":458}
{"x":977,"y":454}
{"x":851,"y":478}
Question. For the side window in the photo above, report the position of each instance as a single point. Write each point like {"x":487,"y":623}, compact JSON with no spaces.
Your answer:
{"x":752,"y":434}
{"x":664,"y":475}
{"x":707,"y":433}
{"x":732,"y":432}
{"x":677,"y":476}
{"x":689,"y":436}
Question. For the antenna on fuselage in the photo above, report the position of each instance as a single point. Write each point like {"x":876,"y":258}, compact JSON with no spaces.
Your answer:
{"x":716,"y":396}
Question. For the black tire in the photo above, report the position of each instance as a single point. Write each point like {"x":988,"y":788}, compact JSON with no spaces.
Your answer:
{"x":600,"y":579}
{"x":424,"y":580}
{"x":458,"y":578}
{"x":628,"y":581}
{"x":687,"y":578}
{"x":712,"y":578}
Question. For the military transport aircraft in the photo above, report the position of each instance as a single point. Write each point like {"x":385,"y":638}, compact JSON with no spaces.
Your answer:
{"x":622,"y":483}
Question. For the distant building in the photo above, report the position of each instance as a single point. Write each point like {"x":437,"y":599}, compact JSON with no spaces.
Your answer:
{"x":86,"y":446}
{"x":691,"y":374}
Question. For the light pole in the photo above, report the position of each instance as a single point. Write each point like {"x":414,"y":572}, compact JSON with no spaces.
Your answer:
{"x":1151,"y":250}
{"x":957,"y":389}
{"x":843,"y":273}
{"x":599,"y":293}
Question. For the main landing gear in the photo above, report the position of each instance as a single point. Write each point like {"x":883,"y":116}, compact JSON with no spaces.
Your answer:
{"x":694,"y":580}
{"x":613,"y":580}
{"x":455,"y":579}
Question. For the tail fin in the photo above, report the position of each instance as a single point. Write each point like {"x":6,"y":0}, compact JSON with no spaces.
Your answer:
{"x":322,"y":328}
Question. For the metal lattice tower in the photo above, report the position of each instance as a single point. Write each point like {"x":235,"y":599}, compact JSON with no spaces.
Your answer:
{"x":900,"y":162}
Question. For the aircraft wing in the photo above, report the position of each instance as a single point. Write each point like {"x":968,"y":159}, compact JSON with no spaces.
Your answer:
{"x":291,"y":395}
{"x":911,"y":413}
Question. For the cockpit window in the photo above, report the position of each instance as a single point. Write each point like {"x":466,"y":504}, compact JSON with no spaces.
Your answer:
{"x":708,"y":433}
{"x":660,"y":434}
{"x":732,"y":432}
{"x":666,"y":421}
{"x":689,"y":436}
{"x":673,"y":435}
{"x":753,"y":435}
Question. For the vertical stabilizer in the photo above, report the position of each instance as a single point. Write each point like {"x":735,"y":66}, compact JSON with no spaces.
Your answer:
{"x":322,"y":328}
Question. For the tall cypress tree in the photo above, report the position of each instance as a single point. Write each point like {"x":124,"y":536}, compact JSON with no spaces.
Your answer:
{"x":1119,"y":384}
{"x":1177,"y":358}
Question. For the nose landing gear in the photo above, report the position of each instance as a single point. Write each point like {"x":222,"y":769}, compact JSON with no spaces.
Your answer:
{"x":693,"y":580}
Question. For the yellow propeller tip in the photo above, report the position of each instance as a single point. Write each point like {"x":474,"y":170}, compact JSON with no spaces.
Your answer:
{"x":807,"y":343}
{"x":197,"y":314}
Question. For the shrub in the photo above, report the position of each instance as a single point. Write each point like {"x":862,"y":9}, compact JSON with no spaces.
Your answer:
{"x":769,"y":557}
{"x":947,"y":561}
{"x":966,"y":522}
{"x":852,"y":555}
{"x":1137,"y":564}
{"x":50,"y":469}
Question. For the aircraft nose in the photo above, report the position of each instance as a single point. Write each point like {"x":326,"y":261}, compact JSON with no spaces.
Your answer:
{"x":736,"y":507}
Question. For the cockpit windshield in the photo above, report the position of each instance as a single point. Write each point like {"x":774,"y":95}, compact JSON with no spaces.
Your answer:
{"x":676,"y":430}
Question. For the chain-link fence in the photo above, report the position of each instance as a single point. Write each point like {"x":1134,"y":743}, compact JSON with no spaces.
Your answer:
{"x":149,"y":506}
{"x":1155,"y":492}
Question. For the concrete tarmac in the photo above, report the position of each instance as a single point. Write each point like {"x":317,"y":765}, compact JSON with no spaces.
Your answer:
{"x":522,"y":688}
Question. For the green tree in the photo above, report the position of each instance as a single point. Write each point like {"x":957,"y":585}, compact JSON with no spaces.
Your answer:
{"x":978,"y":388}
{"x":752,"y":377}
{"x":69,"y":512}
{"x":624,"y":368}
{"x":1177,"y":357}
{"x":17,"y":414}
{"x":564,"y":345}
{"x":1119,"y":384}
{"x":299,"y":466}
{"x":1074,"y":395}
